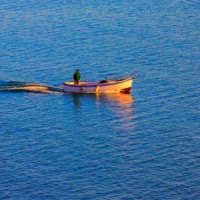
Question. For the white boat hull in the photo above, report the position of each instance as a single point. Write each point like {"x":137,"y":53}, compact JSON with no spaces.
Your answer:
{"x":113,"y":86}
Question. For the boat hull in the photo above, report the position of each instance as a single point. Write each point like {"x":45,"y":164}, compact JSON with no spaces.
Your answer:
{"x":123,"y":85}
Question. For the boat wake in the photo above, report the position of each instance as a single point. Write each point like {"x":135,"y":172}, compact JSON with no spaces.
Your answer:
{"x":18,"y":86}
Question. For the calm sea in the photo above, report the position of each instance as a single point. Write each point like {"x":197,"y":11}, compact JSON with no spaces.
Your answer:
{"x":143,"y":145}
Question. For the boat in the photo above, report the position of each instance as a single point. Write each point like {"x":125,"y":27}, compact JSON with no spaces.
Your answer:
{"x":103,"y":86}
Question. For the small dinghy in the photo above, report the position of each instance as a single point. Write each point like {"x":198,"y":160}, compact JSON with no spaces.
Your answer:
{"x":104,"y":86}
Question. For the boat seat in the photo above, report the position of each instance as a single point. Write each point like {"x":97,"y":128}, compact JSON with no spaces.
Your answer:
{"x":103,"y":81}
{"x":121,"y":79}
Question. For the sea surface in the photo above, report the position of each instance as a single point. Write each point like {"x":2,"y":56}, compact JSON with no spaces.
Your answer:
{"x":142,"y":145}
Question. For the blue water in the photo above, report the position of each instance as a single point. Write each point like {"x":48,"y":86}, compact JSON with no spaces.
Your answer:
{"x":143,"y":145}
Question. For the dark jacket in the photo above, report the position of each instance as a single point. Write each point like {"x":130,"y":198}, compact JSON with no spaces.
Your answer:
{"x":77,"y":76}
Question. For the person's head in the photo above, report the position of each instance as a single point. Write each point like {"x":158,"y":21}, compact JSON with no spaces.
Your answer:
{"x":77,"y":71}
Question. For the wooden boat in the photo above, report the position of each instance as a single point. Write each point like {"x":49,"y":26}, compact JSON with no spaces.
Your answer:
{"x":104,"y":86}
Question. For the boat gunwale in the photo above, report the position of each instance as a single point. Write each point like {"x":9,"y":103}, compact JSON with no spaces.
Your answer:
{"x":99,"y":84}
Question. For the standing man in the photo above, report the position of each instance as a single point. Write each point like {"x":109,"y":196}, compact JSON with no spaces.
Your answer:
{"x":77,"y":77}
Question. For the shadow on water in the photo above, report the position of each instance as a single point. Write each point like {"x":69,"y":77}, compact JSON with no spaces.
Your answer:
{"x":76,"y":100}
{"x":116,"y":106}
{"x":120,"y":100}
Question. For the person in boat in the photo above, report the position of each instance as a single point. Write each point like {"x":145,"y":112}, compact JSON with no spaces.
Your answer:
{"x":77,"y":77}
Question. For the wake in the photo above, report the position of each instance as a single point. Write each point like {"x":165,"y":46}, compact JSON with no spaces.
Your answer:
{"x":29,"y":87}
